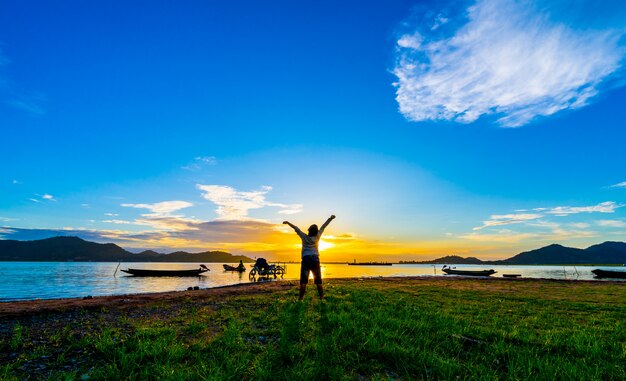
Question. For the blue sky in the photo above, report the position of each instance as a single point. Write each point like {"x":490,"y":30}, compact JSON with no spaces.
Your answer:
{"x":477,"y":128}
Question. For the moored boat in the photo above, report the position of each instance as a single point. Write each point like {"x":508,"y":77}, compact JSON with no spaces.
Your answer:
{"x":451,"y":271}
{"x":146,"y":272}
{"x":609,"y":274}
{"x":234,"y":268}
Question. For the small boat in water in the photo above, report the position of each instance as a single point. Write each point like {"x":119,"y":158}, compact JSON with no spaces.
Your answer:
{"x":450,"y":271}
{"x":144,"y":272}
{"x":234,"y":268}
{"x":511,"y":275}
{"x":609,"y":274}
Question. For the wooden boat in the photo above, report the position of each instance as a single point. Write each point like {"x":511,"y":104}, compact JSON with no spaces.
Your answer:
{"x":451,"y":271}
{"x":144,"y":272}
{"x":234,"y":268}
{"x":609,"y":274}
{"x":511,"y":275}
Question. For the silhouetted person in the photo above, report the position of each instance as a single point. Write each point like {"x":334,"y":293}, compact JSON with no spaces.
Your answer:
{"x":241,"y":267}
{"x":311,"y":256}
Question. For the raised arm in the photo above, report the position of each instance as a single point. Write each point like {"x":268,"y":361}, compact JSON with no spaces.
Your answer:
{"x":326,"y":223}
{"x":294,"y":227}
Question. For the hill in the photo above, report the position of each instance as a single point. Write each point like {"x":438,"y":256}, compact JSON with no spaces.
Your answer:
{"x":63,"y":249}
{"x":607,"y":252}
{"x":603,"y":253}
{"x":450,"y":259}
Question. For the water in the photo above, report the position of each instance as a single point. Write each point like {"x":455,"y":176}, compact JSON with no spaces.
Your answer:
{"x":50,"y":280}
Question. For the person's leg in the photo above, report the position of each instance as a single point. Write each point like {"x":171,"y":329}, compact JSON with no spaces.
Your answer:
{"x":304,"y":277}
{"x":317,"y":275}
{"x":302,"y":291}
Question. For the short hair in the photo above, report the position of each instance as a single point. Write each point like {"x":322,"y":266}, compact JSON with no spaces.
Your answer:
{"x":313,"y":230}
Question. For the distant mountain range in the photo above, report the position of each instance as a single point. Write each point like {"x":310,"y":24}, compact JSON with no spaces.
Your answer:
{"x":604,"y":253}
{"x":65,"y":249}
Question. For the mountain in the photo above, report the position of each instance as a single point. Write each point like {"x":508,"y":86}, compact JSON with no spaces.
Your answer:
{"x":603,"y":253}
{"x":63,"y":249}
{"x":450,"y":259}
{"x":609,"y":252}
{"x":550,"y":255}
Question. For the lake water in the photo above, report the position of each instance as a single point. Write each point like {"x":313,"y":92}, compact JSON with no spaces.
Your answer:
{"x":50,"y":280}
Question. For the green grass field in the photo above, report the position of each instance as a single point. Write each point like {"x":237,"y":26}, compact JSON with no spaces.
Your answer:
{"x":369,"y":329}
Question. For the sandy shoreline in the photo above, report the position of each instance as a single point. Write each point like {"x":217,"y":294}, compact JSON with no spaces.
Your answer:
{"x":29,"y":307}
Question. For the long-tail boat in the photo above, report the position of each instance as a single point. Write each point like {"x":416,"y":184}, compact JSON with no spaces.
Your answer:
{"x":609,"y":274}
{"x":145,"y":272}
{"x":451,"y":271}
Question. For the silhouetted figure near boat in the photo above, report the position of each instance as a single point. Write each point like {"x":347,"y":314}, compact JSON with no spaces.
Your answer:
{"x":311,"y":256}
{"x":241,"y":267}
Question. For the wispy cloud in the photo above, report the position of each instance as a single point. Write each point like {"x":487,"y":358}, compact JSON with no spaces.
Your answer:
{"x":603,"y":207}
{"x":118,"y":222}
{"x":612,"y":223}
{"x":557,"y":211}
{"x":539,"y":222}
{"x":233,"y":204}
{"x":161,"y":209}
{"x":12,"y":96}
{"x":619,"y":185}
{"x":200,"y":162}
{"x":508,"y":219}
{"x":502,"y":58}
{"x":161,"y":215}
{"x":42,"y":197}
{"x":503,"y":236}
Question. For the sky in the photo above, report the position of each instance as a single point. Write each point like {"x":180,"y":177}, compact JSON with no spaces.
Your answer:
{"x":429,"y":128}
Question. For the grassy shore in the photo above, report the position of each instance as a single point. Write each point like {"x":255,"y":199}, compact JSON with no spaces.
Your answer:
{"x":376,"y":329}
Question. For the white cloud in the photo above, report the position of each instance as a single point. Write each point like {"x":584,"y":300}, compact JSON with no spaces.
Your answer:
{"x":619,"y":185}
{"x":541,"y":220}
{"x":612,"y":223}
{"x":111,"y":214}
{"x":199,"y":162}
{"x":508,"y":60}
{"x":16,"y":182}
{"x":161,"y":209}
{"x":580,"y":225}
{"x":161,"y":216}
{"x":48,"y":197}
{"x":33,"y":200}
{"x":233,"y":204}
{"x":118,"y":222}
{"x":603,"y":207}
{"x":504,"y":236}
{"x":508,"y":219}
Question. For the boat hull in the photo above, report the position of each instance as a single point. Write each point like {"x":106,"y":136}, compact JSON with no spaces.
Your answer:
{"x":469,"y":272}
{"x":233,"y":268}
{"x":609,"y":274}
{"x":142,"y":272}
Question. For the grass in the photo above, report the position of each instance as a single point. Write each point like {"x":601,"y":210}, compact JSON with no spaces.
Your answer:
{"x":372,"y":329}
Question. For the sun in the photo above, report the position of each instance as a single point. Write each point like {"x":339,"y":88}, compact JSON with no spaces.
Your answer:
{"x":324,"y":245}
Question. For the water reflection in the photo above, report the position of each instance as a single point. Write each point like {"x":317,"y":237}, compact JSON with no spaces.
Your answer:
{"x":46,"y":280}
